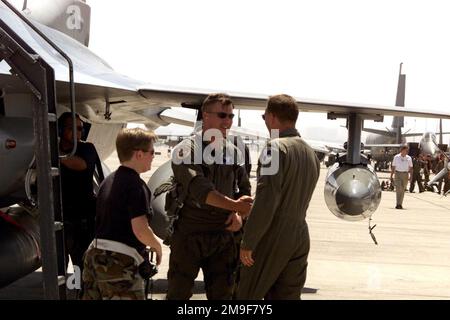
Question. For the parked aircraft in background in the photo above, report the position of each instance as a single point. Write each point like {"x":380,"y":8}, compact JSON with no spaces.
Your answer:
{"x":385,"y":144}
{"x":383,"y":154}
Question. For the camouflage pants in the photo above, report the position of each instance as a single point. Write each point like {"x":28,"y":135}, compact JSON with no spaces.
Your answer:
{"x":110,"y":275}
{"x":214,"y":253}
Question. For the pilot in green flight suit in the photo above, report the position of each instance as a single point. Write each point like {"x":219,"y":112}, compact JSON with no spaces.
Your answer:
{"x":212,"y":170}
{"x":275,"y":244}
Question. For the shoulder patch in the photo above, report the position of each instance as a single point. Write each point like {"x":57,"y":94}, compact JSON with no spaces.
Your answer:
{"x":266,"y":156}
{"x":182,"y":151}
{"x":269,"y":160}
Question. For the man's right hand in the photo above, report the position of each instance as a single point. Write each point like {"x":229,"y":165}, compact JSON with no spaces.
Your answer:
{"x":234,"y":222}
{"x":246,"y":199}
{"x":158,"y":250}
{"x":243,"y":206}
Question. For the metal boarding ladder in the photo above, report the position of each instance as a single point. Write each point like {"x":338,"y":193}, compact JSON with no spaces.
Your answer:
{"x":39,"y":77}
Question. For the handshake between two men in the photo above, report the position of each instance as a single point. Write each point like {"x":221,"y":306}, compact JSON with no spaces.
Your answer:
{"x":242,"y":208}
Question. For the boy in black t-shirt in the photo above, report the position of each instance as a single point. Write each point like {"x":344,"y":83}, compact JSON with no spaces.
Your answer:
{"x":122,"y":232}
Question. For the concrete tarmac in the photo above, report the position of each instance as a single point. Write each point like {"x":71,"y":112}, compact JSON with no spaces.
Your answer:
{"x":411,"y":260}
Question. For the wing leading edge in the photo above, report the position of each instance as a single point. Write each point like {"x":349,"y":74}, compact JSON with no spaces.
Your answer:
{"x":100,"y":87}
{"x":172,"y":96}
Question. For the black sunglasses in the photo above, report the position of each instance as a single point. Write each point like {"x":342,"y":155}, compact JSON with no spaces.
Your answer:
{"x":264,"y":117}
{"x":223,"y":115}
{"x":152,"y":151}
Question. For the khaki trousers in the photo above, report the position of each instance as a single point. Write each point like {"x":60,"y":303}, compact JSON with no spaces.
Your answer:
{"x":401,"y":181}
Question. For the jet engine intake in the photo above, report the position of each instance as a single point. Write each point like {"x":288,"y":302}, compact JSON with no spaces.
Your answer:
{"x":19,"y":245}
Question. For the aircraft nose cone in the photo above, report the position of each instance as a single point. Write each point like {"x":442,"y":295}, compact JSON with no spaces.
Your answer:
{"x":353,"y":197}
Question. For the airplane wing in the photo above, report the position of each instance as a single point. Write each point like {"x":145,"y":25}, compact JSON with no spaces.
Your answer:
{"x":325,"y":146}
{"x":418,"y":134}
{"x":334,"y":146}
{"x":175,"y":96}
{"x":97,"y":86}
{"x":378,"y":131}
{"x":317,"y":147}
{"x":412,"y":134}
{"x":386,"y":145}
{"x":99,"y":89}
{"x":389,"y":133}
{"x":177,"y":117}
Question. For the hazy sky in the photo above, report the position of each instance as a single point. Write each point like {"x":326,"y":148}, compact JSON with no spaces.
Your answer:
{"x":325,"y":49}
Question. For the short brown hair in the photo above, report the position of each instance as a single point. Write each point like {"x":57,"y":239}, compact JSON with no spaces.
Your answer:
{"x":221,"y":98}
{"x":284,"y":107}
{"x":130,"y":140}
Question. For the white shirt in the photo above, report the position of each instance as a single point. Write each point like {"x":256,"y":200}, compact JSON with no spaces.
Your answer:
{"x":402,"y":164}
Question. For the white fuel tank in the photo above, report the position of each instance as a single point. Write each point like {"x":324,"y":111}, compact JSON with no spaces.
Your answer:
{"x":352,"y":192}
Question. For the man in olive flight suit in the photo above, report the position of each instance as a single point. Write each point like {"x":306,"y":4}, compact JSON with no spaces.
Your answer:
{"x":416,"y":176}
{"x":439,"y":166}
{"x":212,"y":170}
{"x":275,"y":244}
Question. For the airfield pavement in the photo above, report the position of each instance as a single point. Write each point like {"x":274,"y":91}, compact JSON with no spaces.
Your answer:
{"x":411,"y":260}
